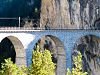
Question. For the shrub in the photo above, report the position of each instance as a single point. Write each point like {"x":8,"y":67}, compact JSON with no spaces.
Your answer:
{"x":9,"y":68}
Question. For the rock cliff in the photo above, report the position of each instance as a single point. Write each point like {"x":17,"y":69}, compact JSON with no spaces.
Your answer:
{"x":54,"y":14}
{"x":70,"y":14}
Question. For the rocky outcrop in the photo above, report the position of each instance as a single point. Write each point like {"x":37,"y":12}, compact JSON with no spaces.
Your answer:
{"x":54,"y":14}
{"x":48,"y":14}
{"x":89,"y":13}
{"x":70,"y":14}
{"x":62,"y":14}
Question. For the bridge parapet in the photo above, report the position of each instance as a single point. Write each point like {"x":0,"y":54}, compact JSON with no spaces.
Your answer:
{"x":14,"y":29}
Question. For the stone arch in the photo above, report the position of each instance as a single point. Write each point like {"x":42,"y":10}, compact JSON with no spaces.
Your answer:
{"x":59,"y":51}
{"x":20,"y":58}
{"x":89,"y":46}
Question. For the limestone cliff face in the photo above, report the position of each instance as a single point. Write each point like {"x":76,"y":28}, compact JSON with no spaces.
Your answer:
{"x":70,"y":14}
{"x":48,"y":14}
{"x":54,"y":14}
{"x":62,"y":14}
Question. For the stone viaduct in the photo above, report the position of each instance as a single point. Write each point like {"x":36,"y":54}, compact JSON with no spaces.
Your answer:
{"x":24,"y":41}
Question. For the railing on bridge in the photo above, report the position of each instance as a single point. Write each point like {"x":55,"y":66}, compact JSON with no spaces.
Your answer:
{"x":19,"y":23}
{"x":32,"y":24}
{"x":21,"y":28}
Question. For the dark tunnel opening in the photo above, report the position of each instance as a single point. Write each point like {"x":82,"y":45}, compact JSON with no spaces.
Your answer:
{"x":7,"y":50}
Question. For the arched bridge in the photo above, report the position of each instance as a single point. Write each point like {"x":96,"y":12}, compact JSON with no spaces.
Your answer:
{"x":25,"y":40}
